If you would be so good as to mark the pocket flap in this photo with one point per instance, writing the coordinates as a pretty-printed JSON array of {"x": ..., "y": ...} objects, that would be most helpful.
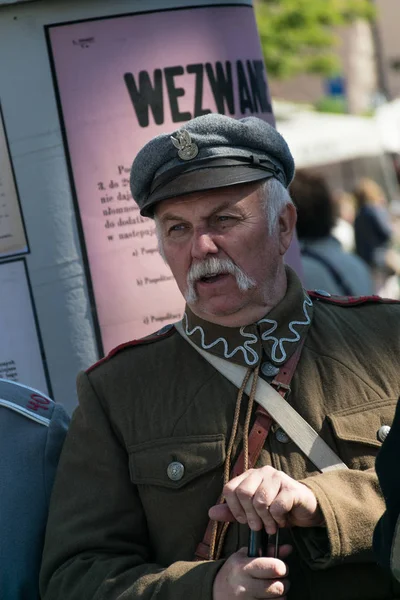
[
  {"x": 149, "y": 462},
  {"x": 362, "y": 423}
]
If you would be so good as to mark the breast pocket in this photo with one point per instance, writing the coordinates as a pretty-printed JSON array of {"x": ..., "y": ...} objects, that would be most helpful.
[
  {"x": 175, "y": 462},
  {"x": 178, "y": 480},
  {"x": 360, "y": 431}
]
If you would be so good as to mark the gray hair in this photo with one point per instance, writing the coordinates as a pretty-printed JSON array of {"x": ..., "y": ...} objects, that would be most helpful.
[
  {"x": 274, "y": 197},
  {"x": 160, "y": 238}
]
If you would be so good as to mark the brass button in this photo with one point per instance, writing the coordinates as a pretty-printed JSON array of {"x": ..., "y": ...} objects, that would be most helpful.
[
  {"x": 383, "y": 432},
  {"x": 269, "y": 370},
  {"x": 282, "y": 436},
  {"x": 175, "y": 471}
]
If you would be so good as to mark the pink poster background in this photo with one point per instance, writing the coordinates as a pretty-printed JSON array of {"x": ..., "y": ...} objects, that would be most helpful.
[{"x": 134, "y": 290}]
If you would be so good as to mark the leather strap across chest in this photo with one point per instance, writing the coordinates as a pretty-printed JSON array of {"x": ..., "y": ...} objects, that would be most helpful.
[
  {"x": 257, "y": 436},
  {"x": 263, "y": 421}
]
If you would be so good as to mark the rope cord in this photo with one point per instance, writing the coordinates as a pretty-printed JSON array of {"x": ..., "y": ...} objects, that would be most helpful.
[
  {"x": 227, "y": 466},
  {"x": 223, "y": 530},
  {"x": 248, "y": 417}
]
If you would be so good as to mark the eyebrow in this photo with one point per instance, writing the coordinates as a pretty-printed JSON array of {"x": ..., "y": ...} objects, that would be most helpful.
[
  {"x": 173, "y": 217},
  {"x": 170, "y": 217}
]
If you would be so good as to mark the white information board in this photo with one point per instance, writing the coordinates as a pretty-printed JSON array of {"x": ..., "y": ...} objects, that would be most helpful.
[
  {"x": 12, "y": 232},
  {"x": 21, "y": 354}
]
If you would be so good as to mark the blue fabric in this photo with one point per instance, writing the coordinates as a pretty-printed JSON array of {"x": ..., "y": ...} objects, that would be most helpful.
[
  {"x": 28, "y": 460},
  {"x": 372, "y": 231},
  {"x": 324, "y": 257}
]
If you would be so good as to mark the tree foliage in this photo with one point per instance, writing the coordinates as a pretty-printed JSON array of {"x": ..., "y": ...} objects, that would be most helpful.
[{"x": 300, "y": 36}]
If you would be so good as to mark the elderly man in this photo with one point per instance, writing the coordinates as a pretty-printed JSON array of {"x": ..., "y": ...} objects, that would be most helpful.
[{"x": 160, "y": 433}]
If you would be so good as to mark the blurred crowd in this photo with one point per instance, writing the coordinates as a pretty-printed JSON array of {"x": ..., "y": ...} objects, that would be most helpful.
[{"x": 349, "y": 239}]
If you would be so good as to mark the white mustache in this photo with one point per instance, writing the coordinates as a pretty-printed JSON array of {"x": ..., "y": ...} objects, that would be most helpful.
[
  {"x": 212, "y": 266},
  {"x": 215, "y": 266}
]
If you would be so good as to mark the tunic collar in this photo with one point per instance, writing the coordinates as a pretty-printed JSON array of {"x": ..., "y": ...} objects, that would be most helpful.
[{"x": 276, "y": 335}]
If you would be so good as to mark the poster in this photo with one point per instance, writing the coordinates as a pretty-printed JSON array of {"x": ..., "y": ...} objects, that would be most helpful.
[
  {"x": 119, "y": 82},
  {"x": 12, "y": 232},
  {"x": 21, "y": 352}
]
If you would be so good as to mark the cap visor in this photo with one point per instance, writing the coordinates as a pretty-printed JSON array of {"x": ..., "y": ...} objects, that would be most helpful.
[{"x": 203, "y": 179}]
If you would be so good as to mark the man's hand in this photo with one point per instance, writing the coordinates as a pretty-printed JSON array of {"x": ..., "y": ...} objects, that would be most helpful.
[
  {"x": 268, "y": 498},
  {"x": 250, "y": 578}
]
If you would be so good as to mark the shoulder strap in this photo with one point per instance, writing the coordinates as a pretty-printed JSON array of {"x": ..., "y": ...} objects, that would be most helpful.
[
  {"x": 297, "y": 428},
  {"x": 348, "y": 301},
  {"x": 162, "y": 333},
  {"x": 26, "y": 401},
  {"x": 329, "y": 267}
]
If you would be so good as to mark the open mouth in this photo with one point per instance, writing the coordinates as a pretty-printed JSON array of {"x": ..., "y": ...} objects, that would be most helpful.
[{"x": 212, "y": 278}]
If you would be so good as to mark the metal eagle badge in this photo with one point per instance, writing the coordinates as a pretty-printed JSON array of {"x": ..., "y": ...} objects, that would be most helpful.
[{"x": 187, "y": 149}]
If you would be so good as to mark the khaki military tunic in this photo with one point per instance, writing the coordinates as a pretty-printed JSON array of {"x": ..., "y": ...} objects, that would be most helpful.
[{"x": 125, "y": 525}]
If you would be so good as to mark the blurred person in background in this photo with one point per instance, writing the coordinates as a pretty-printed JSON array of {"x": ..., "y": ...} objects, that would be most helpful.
[
  {"x": 375, "y": 238},
  {"x": 32, "y": 433},
  {"x": 343, "y": 230},
  {"x": 325, "y": 263}
]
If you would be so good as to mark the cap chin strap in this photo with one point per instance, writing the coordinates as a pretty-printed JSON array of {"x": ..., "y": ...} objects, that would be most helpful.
[
  {"x": 216, "y": 161},
  {"x": 297, "y": 428}
]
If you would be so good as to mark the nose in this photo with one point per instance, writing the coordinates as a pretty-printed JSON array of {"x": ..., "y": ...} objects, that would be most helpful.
[{"x": 203, "y": 244}]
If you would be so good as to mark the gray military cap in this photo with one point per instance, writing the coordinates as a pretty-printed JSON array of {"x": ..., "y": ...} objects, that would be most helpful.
[{"x": 208, "y": 152}]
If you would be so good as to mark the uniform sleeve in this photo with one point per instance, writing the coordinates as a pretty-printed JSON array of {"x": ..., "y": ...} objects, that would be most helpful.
[
  {"x": 352, "y": 504},
  {"x": 97, "y": 544},
  {"x": 56, "y": 433}
]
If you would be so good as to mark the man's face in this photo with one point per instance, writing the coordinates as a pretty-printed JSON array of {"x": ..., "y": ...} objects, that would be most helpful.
[{"x": 220, "y": 251}]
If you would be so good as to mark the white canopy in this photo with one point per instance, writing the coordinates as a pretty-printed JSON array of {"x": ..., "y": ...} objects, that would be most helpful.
[
  {"x": 321, "y": 138},
  {"x": 388, "y": 119}
]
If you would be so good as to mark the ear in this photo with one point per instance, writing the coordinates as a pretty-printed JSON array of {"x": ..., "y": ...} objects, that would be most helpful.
[{"x": 286, "y": 224}]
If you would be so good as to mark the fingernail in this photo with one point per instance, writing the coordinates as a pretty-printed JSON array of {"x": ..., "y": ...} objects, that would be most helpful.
[
  {"x": 270, "y": 530},
  {"x": 241, "y": 520}
]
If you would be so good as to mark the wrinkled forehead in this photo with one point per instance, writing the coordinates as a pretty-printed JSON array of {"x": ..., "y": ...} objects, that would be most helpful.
[{"x": 209, "y": 201}]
